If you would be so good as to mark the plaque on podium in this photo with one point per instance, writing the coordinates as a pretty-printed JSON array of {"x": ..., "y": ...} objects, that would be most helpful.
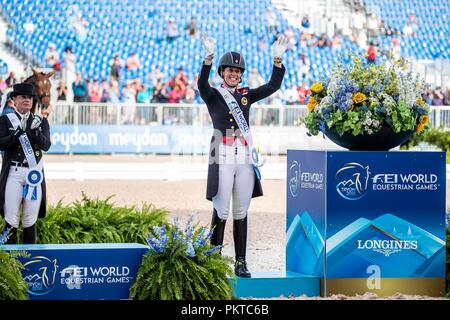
[{"x": 367, "y": 221}]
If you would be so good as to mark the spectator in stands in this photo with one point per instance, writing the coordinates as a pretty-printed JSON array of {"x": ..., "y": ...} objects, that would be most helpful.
[
  {"x": 408, "y": 30},
  {"x": 52, "y": 57},
  {"x": 105, "y": 91},
  {"x": 438, "y": 97},
  {"x": 413, "y": 22},
  {"x": 116, "y": 68},
  {"x": 175, "y": 94},
  {"x": 323, "y": 41},
  {"x": 291, "y": 95},
  {"x": 262, "y": 43},
  {"x": 69, "y": 71},
  {"x": 336, "y": 42},
  {"x": 9, "y": 105},
  {"x": 129, "y": 108},
  {"x": 371, "y": 53},
  {"x": 159, "y": 92},
  {"x": 255, "y": 80},
  {"x": 272, "y": 21},
  {"x": 373, "y": 26},
  {"x": 303, "y": 67},
  {"x": 290, "y": 35},
  {"x": 237, "y": 179},
  {"x": 181, "y": 80},
  {"x": 358, "y": 24},
  {"x": 114, "y": 92},
  {"x": 305, "y": 23},
  {"x": 133, "y": 61},
  {"x": 396, "y": 49},
  {"x": 61, "y": 91},
  {"x": 302, "y": 93},
  {"x": 192, "y": 28},
  {"x": 171, "y": 29},
  {"x": 3, "y": 85},
  {"x": 427, "y": 95},
  {"x": 79, "y": 88},
  {"x": 156, "y": 75},
  {"x": 94, "y": 91},
  {"x": 11, "y": 80},
  {"x": 447, "y": 94},
  {"x": 79, "y": 25},
  {"x": 190, "y": 95}
]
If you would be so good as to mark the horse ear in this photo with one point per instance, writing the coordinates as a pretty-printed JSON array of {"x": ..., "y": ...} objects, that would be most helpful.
[
  {"x": 51, "y": 73},
  {"x": 34, "y": 71}
]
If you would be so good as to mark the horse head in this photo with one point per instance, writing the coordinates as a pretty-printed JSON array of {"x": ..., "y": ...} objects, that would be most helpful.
[{"x": 42, "y": 85}]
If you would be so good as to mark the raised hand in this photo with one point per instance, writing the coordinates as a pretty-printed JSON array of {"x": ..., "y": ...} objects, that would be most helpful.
[
  {"x": 209, "y": 45},
  {"x": 279, "y": 47},
  {"x": 36, "y": 122}
]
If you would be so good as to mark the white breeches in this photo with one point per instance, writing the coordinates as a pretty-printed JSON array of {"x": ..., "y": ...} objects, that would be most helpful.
[
  {"x": 13, "y": 199},
  {"x": 236, "y": 181}
]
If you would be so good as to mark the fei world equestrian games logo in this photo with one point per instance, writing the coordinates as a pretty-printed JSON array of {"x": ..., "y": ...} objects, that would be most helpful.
[
  {"x": 40, "y": 275},
  {"x": 353, "y": 179},
  {"x": 299, "y": 179}
]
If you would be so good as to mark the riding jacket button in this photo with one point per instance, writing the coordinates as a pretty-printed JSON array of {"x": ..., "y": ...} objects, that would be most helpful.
[{"x": 231, "y": 120}]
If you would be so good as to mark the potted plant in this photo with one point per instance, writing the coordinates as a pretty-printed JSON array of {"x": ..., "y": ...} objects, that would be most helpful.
[
  {"x": 12, "y": 285},
  {"x": 365, "y": 106},
  {"x": 182, "y": 265}
]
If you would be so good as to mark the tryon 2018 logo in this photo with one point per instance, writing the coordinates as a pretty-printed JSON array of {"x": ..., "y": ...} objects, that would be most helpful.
[
  {"x": 40, "y": 274},
  {"x": 352, "y": 181}
]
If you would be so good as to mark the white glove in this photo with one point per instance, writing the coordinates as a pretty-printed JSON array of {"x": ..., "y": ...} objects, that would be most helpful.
[
  {"x": 280, "y": 47},
  {"x": 209, "y": 44},
  {"x": 36, "y": 122},
  {"x": 23, "y": 123}
]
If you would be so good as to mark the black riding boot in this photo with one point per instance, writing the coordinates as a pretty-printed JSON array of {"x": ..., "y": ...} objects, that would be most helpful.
[
  {"x": 240, "y": 248},
  {"x": 12, "y": 233},
  {"x": 218, "y": 231},
  {"x": 29, "y": 235}
]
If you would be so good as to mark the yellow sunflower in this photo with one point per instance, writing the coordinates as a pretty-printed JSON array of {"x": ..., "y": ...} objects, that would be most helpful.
[
  {"x": 358, "y": 97},
  {"x": 420, "y": 127},
  {"x": 312, "y": 103},
  {"x": 317, "y": 87},
  {"x": 424, "y": 119}
]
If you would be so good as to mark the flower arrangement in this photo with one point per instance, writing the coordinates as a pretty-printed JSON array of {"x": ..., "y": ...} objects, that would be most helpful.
[
  {"x": 182, "y": 265},
  {"x": 361, "y": 98},
  {"x": 12, "y": 285}
]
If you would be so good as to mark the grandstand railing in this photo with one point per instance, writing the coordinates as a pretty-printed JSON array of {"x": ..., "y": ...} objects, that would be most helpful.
[{"x": 189, "y": 114}]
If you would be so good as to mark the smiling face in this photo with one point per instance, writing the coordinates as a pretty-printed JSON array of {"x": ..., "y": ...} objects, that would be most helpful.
[{"x": 231, "y": 76}]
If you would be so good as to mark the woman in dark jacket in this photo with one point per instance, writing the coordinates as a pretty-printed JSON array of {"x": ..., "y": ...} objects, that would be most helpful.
[
  {"x": 233, "y": 165},
  {"x": 23, "y": 137}
]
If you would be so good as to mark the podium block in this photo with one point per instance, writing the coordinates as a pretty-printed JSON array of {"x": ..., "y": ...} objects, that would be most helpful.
[
  {"x": 367, "y": 221},
  {"x": 103, "y": 271}
]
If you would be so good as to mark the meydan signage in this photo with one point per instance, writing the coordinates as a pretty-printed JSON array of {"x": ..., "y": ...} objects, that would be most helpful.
[
  {"x": 379, "y": 215},
  {"x": 80, "y": 271}
]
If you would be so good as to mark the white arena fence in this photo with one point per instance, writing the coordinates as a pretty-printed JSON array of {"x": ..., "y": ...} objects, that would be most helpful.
[{"x": 189, "y": 114}]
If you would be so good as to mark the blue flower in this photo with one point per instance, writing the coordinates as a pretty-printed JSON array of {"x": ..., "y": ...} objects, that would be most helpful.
[
  {"x": 190, "y": 249},
  {"x": 322, "y": 126},
  {"x": 4, "y": 236},
  {"x": 210, "y": 251}
]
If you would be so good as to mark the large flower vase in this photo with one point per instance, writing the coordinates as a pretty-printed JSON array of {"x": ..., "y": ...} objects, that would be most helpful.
[{"x": 383, "y": 140}]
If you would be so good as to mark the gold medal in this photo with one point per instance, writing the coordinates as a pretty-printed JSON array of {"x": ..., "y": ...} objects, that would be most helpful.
[{"x": 244, "y": 101}]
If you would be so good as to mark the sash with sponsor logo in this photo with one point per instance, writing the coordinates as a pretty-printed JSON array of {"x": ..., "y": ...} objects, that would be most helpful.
[
  {"x": 34, "y": 175},
  {"x": 238, "y": 116}
]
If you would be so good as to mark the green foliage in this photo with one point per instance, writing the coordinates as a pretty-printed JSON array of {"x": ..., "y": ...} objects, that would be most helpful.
[
  {"x": 12, "y": 285},
  {"x": 98, "y": 221},
  {"x": 435, "y": 136},
  {"x": 182, "y": 266}
]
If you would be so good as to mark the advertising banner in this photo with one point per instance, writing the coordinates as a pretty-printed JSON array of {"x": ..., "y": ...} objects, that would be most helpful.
[
  {"x": 80, "y": 271},
  {"x": 384, "y": 216}
]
